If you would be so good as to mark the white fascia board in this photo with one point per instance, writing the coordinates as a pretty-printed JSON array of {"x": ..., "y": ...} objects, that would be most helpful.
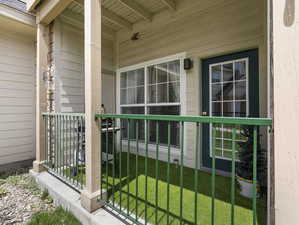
[{"x": 16, "y": 15}]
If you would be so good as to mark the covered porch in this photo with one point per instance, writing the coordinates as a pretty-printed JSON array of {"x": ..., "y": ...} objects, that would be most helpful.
[{"x": 145, "y": 104}]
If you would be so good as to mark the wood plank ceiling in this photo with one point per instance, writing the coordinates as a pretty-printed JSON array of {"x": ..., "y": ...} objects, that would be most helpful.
[{"x": 122, "y": 14}]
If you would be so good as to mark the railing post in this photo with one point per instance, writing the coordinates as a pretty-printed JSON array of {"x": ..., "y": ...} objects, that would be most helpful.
[
  {"x": 41, "y": 67},
  {"x": 92, "y": 50}
]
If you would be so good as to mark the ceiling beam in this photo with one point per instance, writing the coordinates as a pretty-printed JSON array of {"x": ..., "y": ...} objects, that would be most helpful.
[
  {"x": 111, "y": 16},
  {"x": 116, "y": 19},
  {"x": 138, "y": 9},
  {"x": 50, "y": 10},
  {"x": 170, "y": 4}
]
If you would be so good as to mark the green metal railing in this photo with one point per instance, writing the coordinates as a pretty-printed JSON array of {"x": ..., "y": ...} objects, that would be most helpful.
[
  {"x": 65, "y": 147},
  {"x": 145, "y": 186}
]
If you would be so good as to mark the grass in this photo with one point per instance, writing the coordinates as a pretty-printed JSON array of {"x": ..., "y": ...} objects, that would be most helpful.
[
  {"x": 124, "y": 194},
  {"x": 58, "y": 217}
]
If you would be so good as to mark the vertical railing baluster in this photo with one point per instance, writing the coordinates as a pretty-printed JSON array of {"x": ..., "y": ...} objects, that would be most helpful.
[
  {"x": 113, "y": 161},
  {"x": 60, "y": 145},
  {"x": 73, "y": 151},
  {"x": 137, "y": 154},
  {"x": 254, "y": 173},
  {"x": 120, "y": 163},
  {"x": 76, "y": 150},
  {"x": 196, "y": 172},
  {"x": 146, "y": 170},
  {"x": 213, "y": 173},
  {"x": 128, "y": 169},
  {"x": 56, "y": 144},
  {"x": 107, "y": 158},
  {"x": 168, "y": 168},
  {"x": 82, "y": 145},
  {"x": 157, "y": 172},
  {"x": 70, "y": 147},
  {"x": 233, "y": 178},
  {"x": 65, "y": 147},
  {"x": 46, "y": 139},
  {"x": 181, "y": 171}
]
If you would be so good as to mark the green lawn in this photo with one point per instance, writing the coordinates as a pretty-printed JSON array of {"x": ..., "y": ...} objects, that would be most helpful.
[
  {"x": 57, "y": 217},
  {"x": 129, "y": 199}
]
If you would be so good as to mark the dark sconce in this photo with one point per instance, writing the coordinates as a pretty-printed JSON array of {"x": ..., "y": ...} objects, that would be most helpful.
[
  {"x": 188, "y": 64},
  {"x": 135, "y": 36}
]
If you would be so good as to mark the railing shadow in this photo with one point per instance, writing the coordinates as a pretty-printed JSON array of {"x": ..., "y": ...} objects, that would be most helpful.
[{"x": 204, "y": 187}]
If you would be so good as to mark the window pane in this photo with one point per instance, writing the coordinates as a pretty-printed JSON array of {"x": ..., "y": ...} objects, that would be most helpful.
[
  {"x": 124, "y": 122},
  {"x": 228, "y": 91},
  {"x": 131, "y": 79},
  {"x": 162, "y": 73},
  {"x": 217, "y": 109},
  {"x": 152, "y": 76},
  {"x": 166, "y": 78},
  {"x": 174, "y": 92},
  {"x": 228, "y": 109},
  {"x": 216, "y": 74},
  {"x": 240, "y": 90},
  {"x": 240, "y": 70},
  {"x": 163, "y": 125},
  {"x": 139, "y": 74},
  {"x": 131, "y": 96},
  {"x": 123, "y": 80},
  {"x": 132, "y": 87},
  {"x": 174, "y": 71},
  {"x": 228, "y": 72},
  {"x": 123, "y": 96},
  {"x": 140, "y": 95},
  {"x": 240, "y": 109},
  {"x": 152, "y": 94},
  {"x": 216, "y": 92},
  {"x": 162, "y": 93}
]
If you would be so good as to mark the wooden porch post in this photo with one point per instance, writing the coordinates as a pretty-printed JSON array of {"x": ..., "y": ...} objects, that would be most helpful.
[
  {"x": 92, "y": 45},
  {"x": 41, "y": 66},
  {"x": 286, "y": 110}
]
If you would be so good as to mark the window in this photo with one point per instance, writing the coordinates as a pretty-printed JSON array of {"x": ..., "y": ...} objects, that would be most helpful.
[
  {"x": 152, "y": 89},
  {"x": 229, "y": 98}
]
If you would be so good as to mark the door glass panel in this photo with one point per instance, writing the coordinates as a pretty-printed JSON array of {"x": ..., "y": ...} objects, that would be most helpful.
[
  {"x": 228, "y": 72},
  {"x": 240, "y": 90},
  {"x": 228, "y": 91},
  {"x": 240, "y": 70},
  {"x": 216, "y": 92},
  {"x": 228, "y": 88},
  {"x": 216, "y": 74},
  {"x": 217, "y": 109},
  {"x": 228, "y": 109}
]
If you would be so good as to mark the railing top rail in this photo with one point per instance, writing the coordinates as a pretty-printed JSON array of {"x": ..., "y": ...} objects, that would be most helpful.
[
  {"x": 64, "y": 114},
  {"x": 196, "y": 119}
]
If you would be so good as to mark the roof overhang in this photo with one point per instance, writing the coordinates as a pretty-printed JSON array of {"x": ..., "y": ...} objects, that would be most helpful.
[
  {"x": 17, "y": 15},
  {"x": 31, "y": 4}
]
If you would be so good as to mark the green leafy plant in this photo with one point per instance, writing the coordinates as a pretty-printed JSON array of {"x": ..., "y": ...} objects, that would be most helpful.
[{"x": 245, "y": 165}]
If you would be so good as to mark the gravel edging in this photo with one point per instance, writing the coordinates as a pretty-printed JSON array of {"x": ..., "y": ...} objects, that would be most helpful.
[{"x": 20, "y": 198}]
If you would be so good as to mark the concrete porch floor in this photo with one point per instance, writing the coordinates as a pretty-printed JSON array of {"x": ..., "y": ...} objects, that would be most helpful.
[{"x": 69, "y": 199}]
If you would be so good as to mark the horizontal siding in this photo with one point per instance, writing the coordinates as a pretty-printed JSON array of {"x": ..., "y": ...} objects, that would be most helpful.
[
  {"x": 69, "y": 64},
  {"x": 17, "y": 98}
]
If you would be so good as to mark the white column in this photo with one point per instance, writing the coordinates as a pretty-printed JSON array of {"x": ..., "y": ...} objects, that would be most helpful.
[
  {"x": 286, "y": 110},
  {"x": 92, "y": 44},
  {"x": 41, "y": 101}
]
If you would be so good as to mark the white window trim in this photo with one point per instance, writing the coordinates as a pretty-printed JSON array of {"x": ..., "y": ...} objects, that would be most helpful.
[
  {"x": 183, "y": 90},
  {"x": 210, "y": 97}
]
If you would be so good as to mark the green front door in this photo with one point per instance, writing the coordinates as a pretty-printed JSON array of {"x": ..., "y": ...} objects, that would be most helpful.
[{"x": 230, "y": 88}]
